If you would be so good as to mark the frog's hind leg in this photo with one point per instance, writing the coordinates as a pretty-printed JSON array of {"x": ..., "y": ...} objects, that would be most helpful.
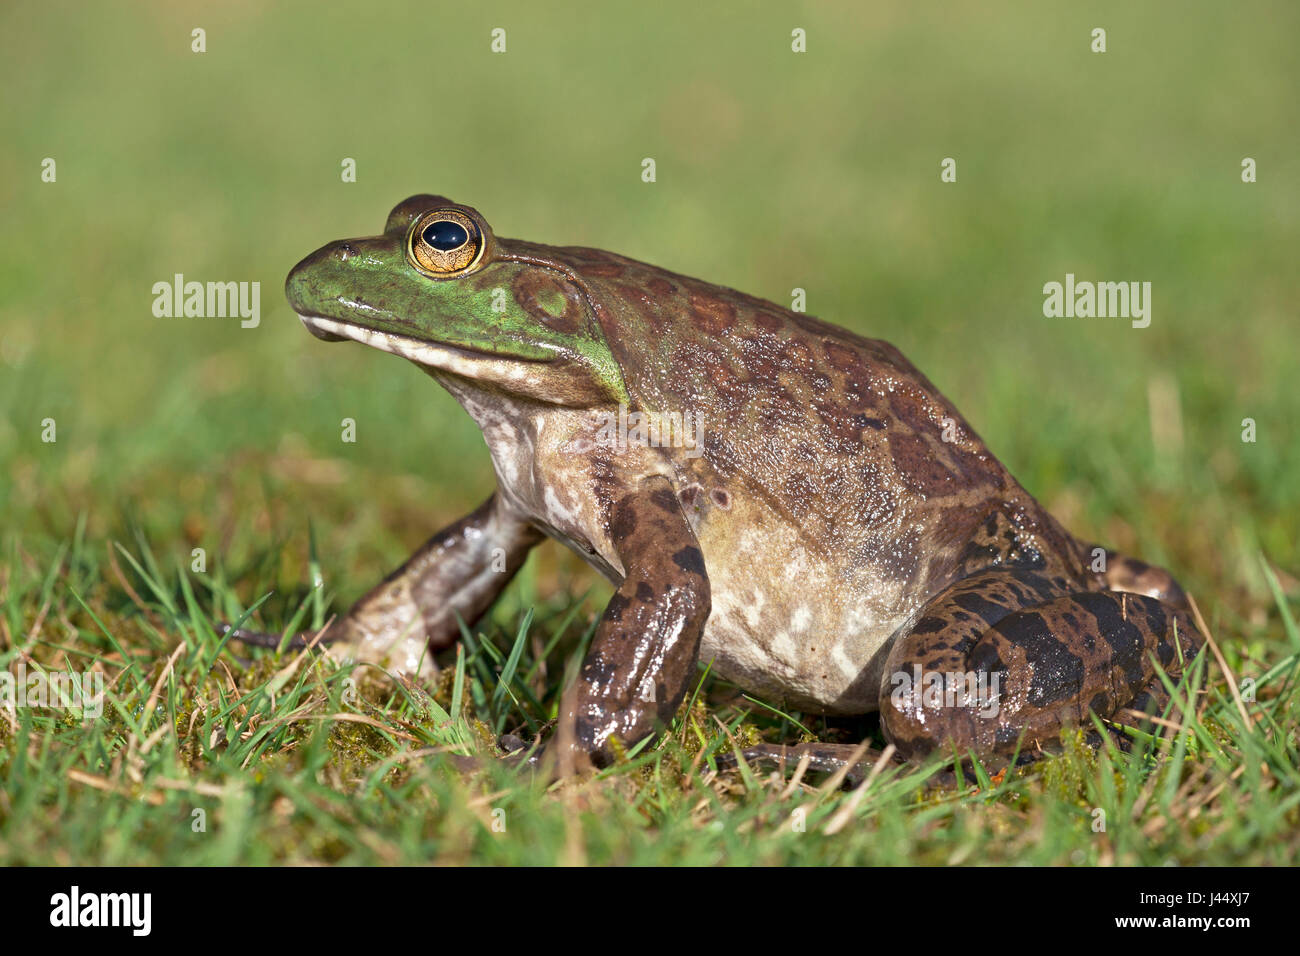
[
  {"x": 1007, "y": 657},
  {"x": 454, "y": 576}
]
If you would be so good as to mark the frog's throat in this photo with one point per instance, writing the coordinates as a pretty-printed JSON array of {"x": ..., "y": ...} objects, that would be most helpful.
[{"x": 447, "y": 358}]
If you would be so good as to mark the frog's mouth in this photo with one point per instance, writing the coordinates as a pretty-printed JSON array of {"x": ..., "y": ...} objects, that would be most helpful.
[
  {"x": 313, "y": 326},
  {"x": 449, "y": 358}
]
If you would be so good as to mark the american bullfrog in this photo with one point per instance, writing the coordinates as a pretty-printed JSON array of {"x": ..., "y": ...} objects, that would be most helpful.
[{"x": 768, "y": 492}]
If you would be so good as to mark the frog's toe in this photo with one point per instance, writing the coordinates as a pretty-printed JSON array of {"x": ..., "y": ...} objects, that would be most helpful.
[
  {"x": 854, "y": 761},
  {"x": 545, "y": 757},
  {"x": 521, "y": 755},
  {"x": 264, "y": 639},
  {"x": 511, "y": 743},
  {"x": 343, "y": 640}
]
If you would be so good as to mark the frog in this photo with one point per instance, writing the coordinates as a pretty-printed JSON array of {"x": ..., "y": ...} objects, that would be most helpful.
[{"x": 788, "y": 502}]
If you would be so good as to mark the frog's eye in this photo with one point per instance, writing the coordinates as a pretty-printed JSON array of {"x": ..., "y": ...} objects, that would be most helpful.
[{"x": 445, "y": 242}]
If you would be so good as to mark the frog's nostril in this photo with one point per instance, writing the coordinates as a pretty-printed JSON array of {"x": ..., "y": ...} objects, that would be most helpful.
[{"x": 345, "y": 251}]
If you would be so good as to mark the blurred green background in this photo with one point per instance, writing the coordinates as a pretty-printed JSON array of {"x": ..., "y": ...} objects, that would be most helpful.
[{"x": 775, "y": 170}]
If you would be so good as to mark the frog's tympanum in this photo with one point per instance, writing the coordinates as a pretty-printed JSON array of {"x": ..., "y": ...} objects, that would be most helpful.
[{"x": 767, "y": 492}]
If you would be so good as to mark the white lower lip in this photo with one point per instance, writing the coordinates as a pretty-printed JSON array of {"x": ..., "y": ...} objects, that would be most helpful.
[
  {"x": 447, "y": 358},
  {"x": 384, "y": 341}
]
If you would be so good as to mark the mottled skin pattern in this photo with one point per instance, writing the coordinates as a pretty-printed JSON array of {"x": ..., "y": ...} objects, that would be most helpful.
[{"x": 842, "y": 524}]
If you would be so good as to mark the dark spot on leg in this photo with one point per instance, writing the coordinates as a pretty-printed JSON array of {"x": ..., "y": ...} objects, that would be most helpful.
[
  {"x": 597, "y": 670},
  {"x": 1124, "y": 638},
  {"x": 1156, "y": 620},
  {"x": 988, "y": 611},
  {"x": 665, "y": 499},
  {"x": 1006, "y": 735},
  {"x": 1142, "y": 703},
  {"x": 616, "y": 606},
  {"x": 623, "y": 522},
  {"x": 1165, "y": 653},
  {"x": 690, "y": 559},
  {"x": 1058, "y": 673},
  {"x": 986, "y": 659},
  {"x": 644, "y": 592}
]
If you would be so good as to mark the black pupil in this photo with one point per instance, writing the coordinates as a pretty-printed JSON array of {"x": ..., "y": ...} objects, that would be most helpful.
[{"x": 445, "y": 235}]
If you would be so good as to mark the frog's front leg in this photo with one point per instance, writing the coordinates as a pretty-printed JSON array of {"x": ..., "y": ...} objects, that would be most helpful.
[
  {"x": 456, "y": 574},
  {"x": 645, "y": 649},
  {"x": 1006, "y": 655}
]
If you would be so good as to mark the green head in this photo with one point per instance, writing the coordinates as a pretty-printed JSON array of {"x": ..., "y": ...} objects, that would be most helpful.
[{"x": 440, "y": 289}]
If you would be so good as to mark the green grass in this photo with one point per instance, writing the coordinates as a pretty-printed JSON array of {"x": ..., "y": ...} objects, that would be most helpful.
[
  {"x": 202, "y": 759},
  {"x": 818, "y": 171}
]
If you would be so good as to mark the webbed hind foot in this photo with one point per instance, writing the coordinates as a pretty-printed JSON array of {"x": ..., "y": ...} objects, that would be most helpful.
[{"x": 852, "y": 759}]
